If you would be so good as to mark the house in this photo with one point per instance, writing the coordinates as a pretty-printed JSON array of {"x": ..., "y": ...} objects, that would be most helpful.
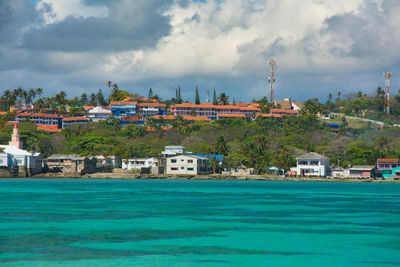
[
  {"x": 387, "y": 164},
  {"x": 395, "y": 174},
  {"x": 17, "y": 160},
  {"x": 338, "y": 172},
  {"x": 150, "y": 109},
  {"x": 135, "y": 120},
  {"x": 211, "y": 111},
  {"x": 107, "y": 163},
  {"x": 52, "y": 121},
  {"x": 288, "y": 104},
  {"x": 120, "y": 109},
  {"x": 187, "y": 164},
  {"x": 358, "y": 171},
  {"x": 312, "y": 164},
  {"x": 99, "y": 113},
  {"x": 139, "y": 163},
  {"x": 74, "y": 164},
  {"x": 283, "y": 112},
  {"x": 171, "y": 151},
  {"x": 74, "y": 121}
]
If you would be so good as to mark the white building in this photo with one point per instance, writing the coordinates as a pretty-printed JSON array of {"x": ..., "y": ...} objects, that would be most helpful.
[
  {"x": 98, "y": 113},
  {"x": 16, "y": 159},
  {"x": 137, "y": 164},
  {"x": 187, "y": 164},
  {"x": 312, "y": 164},
  {"x": 170, "y": 151}
]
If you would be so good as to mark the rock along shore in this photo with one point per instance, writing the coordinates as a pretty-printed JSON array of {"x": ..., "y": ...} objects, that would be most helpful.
[{"x": 202, "y": 177}]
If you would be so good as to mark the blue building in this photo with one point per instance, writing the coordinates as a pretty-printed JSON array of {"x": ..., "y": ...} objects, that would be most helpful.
[{"x": 120, "y": 109}]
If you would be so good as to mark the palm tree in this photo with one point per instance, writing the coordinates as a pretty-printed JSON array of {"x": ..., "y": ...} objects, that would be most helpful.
[
  {"x": 223, "y": 99},
  {"x": 221, "y": 147}
]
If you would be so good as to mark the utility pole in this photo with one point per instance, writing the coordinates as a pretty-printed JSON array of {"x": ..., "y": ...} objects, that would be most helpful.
[
  {"x": 271, "y": 79},
  {"x": 387, "y": 95}
]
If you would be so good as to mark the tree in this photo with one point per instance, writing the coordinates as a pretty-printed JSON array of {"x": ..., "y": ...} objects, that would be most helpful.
[
  {"x": 223, "y": 99},
  {"x": 100, "y": 98},
  {"x": 233, "y": 101},
  {"x": 150, "y": 95},
  {"x": 197, "y": 100},
  {"x": 84, "y": 99},
  {"x": 221, "y": 147},
  {"x": 109, "y": 84},
  {"x": 93, "y": 100},
  {"x": 215, "y": 99}
]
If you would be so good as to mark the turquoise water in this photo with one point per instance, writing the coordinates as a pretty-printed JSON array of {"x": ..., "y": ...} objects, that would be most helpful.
[{"x": 71, "y": 222}]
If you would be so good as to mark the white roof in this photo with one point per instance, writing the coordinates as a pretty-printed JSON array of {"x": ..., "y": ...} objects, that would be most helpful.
[
  {"x": 13, "y": 150},
  {"x": 100, "y": 110}
]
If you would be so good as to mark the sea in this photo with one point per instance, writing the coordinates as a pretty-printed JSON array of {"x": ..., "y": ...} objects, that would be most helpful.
[{"x": 120, "y": 222}]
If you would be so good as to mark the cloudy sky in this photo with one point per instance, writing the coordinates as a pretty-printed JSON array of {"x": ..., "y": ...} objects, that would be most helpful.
[{"x": 320, "y": 46}]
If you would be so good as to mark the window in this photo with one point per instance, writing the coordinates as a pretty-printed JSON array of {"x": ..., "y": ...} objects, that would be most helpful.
[
  {"x": 19, "y": 161},
  {"x": 190, "y": 161},
  {"x": 190, "y": 169},
  {"x": 174, "y": 168},
  {"x": 173, "y": 160},
  {"x": 1, "y": 161}
]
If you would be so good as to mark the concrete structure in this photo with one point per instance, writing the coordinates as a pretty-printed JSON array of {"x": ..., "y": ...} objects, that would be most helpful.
[
  {"x": 99, "y": 113},
  {"x": 107, "y": 163},
  {"x": 71, "y": 164},
  {"x": 312, "y": 164},
  {"x": 387, "y": 164},
  {"x": 187, "y": 164},
  {"x": 171, "y": 151},
  {"x": 121, "y": 109},
  {"x": 358, "y": 171},
  {"x": 74, "y": 121},
  {"x": 139, "y": 163}
]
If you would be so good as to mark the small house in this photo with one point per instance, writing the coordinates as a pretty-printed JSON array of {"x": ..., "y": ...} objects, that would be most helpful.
[
  {"x": 187, "y": 164},
  {"x": 312, "y": 164}
]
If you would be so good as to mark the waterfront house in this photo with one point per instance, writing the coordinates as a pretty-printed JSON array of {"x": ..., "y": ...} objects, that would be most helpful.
[
  {"x": 74, "y": 164},
  {"x": 139, "y": 163},
  {"x": 361, "y": 171},
  {"x": 387, "y": 164},
  {"x": 312, "y": 164},
  {"x": 171, "y": 151},
  {"x": 107, "y": 163},
  {"x": 187, "y": 164},
  {"x": 99, "y": 113}
]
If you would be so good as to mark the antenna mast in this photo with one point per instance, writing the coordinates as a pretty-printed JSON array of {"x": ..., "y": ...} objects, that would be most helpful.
[
  {"x": 208, "y": 96},
  {"x": 271, "y": 79},
  {"x": 387, "y": 95}
]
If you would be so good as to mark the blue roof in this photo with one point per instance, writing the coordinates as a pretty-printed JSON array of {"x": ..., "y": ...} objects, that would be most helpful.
[
  {"x": 217, "y": 157},
  {"x": 334, "y": 124}
]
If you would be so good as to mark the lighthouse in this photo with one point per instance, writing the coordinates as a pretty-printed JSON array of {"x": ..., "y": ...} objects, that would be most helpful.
[{"x": 15, "y": 141}]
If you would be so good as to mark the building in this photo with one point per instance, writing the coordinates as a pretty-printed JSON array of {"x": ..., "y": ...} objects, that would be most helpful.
[
  {"x": 74, "y": 121},
  {"x": 151, "y": 109},
  {"x": 288, "y": 104},
  {"x": 73, "y": 164},
  {"x": 107, "y": 163},
  {"x": 212, "y": 111},
  {"x": 171, "y": 151},
  {"x": 135, "y": 120},
  {"x": 120, "y": 109},
  {"x": 137, "y": 164},
  {"x": 98, "y": 113},
  {"x": 358, "y": 171},
  {"x": 394, "y": 174},
  {"x": 387, "y": 164},
  {"x": 312, "y": 164},
  {"x": 17, "y": 160},
  {"x": 283, "y": 112},
  {"x": 187, "y": 164},
  {"x": 41, "y": 120}
]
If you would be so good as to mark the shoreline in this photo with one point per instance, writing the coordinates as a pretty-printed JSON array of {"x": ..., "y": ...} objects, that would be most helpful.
[{"x": 201, "y": 177}]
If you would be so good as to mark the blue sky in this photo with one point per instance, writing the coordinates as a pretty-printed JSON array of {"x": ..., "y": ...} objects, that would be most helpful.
[{"x": 320, "y": 46}]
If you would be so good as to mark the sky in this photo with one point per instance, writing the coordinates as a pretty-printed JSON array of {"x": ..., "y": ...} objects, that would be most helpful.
[{"x": 320, "y": 46}]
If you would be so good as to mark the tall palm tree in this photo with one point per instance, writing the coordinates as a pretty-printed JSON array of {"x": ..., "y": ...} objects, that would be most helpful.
[
  {"x": 221, "y": 147},
  {"x": 223, "y": 99}
]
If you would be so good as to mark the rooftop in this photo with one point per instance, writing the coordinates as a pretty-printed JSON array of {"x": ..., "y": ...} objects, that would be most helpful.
[{"x": 312, "y": 155}]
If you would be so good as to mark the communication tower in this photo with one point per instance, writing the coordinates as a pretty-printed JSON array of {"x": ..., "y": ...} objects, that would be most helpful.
[
  {"x": 271, "y": 79},
  {"x": 387, "y": 95},
  {"x": 207, "y": 96}
]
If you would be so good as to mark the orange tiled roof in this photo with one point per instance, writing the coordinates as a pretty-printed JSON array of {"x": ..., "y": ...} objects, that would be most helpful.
[
  {"x": 269, "y": 115},
  {"x": 394, "y": 160},
  {"x": 283, "y": 110},
  {"x": 47, "y": 126},
  {"x": 36, "y": 115},
  {"x": 131, "y": 118},
  {"x": 165, "y": 117},
  {"x": 151, "y": 105},
  {"x": 231, "y": 116},
  {"x": 2, "y": 113},
  {"x": 164, "y": 128},
  {"x": 80, "y": 118},
  {"x": 88, "y": 107},
  {"x": 194, "y": 118}
]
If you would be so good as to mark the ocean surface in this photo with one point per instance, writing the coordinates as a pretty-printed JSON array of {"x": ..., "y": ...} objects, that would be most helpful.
[{"x": 76, "y": 222}]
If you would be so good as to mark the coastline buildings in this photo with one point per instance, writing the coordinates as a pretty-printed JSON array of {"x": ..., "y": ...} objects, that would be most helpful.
[
  {"x": 312, "y": 164},
  {"x": 139, "y": 163},
  {"x": 188, "y": 164},
  {"x": 73, "y": 164}
]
